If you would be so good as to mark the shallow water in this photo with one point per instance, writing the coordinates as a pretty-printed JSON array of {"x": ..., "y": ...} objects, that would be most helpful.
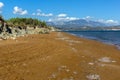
[{"x": 109, "y": 37}]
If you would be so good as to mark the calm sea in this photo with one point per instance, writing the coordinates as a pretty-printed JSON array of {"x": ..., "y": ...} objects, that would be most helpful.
[{"x": 109, "y": 37}]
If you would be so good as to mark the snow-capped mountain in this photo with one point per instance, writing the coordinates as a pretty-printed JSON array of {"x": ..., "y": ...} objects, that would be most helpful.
[{"x": 76, "y": 23}]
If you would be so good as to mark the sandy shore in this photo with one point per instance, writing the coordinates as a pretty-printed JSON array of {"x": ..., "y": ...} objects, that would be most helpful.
[{"x": 58, "y": 56}]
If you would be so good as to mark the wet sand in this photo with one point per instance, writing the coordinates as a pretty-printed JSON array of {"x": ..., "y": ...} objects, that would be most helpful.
[{"x": 58, "y": 56}]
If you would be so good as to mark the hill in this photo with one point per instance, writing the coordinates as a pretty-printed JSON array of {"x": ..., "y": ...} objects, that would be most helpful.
[{"x": 81, "y": 24}]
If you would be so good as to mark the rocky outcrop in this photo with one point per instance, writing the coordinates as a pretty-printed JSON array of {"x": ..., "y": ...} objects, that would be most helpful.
[{"x": 13, "y": 33}]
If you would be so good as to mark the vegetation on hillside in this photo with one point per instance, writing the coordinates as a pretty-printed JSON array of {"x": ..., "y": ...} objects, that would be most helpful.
[{"x": 26, "y": 22}]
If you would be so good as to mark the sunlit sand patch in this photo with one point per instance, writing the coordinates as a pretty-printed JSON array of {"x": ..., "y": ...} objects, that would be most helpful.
[
  {"x": 67, "y": 39},
  {"x": 53, "y": 76},
  {"x": 106, "y": 60},
  {"x": 67, "y": 70},
  {"x": 62, "y": 38},
  {"x": 101, "y": 64},
  {"x": 91, "y": 63},
  {"x": 71, "y": 44},
  {"x": 59, "y": 34},
  {"x": 63, "y": 70},
  {"x": 0, "y": 39},
  {"x": 86, "y": 51},
  {"x": 16, "y": 40},
  {"x": 113, "y": 66},
  {"x": 109, "y": 65},
  {"x": 45, "y": 58},
  {"x": 75, "y": 72},
  {"x": 68, "y": 79},
  {"x": 75, "y": 50},
  {"x": 24, "y": 64},
  {"x": 83, "y": 56},
  {"x": 93, "y": 77},
  {"x": 73, "y": 41}
]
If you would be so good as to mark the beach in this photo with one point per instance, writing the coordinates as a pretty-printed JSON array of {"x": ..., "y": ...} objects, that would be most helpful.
[{"x": 58, "y": 56}]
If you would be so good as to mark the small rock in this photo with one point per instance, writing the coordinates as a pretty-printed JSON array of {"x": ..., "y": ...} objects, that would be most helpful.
[{"x": 53, "y": 75}]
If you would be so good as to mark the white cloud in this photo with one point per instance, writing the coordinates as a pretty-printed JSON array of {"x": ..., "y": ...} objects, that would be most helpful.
[
  {"x": 50, "y": 20},
  {"x": 62, "y": 15},
  {"x": 71, "y": 18},
  {"x": 40, "y": 13},
  {"x": 63, "y": 19},
  {"x": 111, "y": 22},
  {"x": 19, "y": 11},
  {"x": 88, "y": 18},
  {"x": 1, "y": 5},
  {"x": 45, "y": 15}
]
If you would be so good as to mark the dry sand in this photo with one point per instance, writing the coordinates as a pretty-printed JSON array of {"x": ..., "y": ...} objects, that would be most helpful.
[{"x": 58, "y": 56}]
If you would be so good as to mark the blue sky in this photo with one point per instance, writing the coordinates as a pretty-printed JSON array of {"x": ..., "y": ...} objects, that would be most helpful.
[{"x": 56, "y": 10}]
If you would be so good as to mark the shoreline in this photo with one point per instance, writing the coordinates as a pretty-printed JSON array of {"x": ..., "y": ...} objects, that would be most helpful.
[
  {"x": 58, "y": 56},
  {"x": 98, "y": 40}
]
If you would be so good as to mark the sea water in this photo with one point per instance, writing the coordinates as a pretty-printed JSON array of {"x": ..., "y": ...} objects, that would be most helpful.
[{"x": 109, "y": 37}]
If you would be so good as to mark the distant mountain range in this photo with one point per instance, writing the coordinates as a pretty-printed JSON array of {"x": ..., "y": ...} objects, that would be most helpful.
[{"x": 80, "y": 24}]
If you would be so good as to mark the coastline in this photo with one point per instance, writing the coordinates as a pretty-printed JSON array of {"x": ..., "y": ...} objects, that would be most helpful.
[
  {"x": 58, "y": 56},
  {"x": 112, "y": 42}
]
